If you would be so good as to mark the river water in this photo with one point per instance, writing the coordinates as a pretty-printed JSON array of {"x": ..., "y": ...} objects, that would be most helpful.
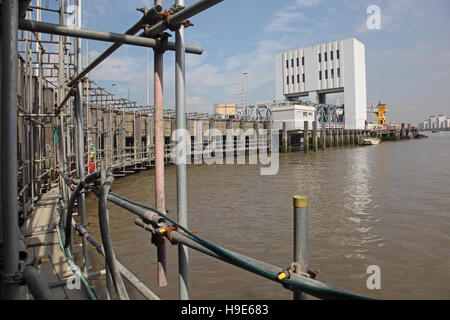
[{"x": 385, "y": 205}]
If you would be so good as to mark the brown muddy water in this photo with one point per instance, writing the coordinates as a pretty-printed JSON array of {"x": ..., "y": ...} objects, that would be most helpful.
[{"x": 385, "y": 205}]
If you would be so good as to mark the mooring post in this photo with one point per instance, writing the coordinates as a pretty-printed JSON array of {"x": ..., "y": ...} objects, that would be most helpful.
[
  {"x": 314, "y": 136},
  {"x": 306, "y": 137},
  {"x": 301, "y": 255}
]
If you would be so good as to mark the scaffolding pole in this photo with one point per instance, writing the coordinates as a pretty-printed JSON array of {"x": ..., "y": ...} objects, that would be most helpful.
[
  {"x": 159, "y": 152},
  {"x": 183, "y": 258},
  {"x": 10, "y": 17}
]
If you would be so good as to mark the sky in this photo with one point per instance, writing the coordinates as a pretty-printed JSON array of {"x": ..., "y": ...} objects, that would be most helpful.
[{"x": 407, "y": 60}]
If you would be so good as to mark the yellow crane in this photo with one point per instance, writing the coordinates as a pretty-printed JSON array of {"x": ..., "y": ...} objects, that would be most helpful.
[{"x": 381, "y": 113}]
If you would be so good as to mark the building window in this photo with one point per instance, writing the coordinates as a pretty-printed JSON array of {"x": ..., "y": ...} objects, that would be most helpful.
[
  {"x": 292, "y": 63},
  {"x": 337, "y": 54},
  {"x": 332, "y": 73},
  {"x": 287, "y": 63},
  {"x": 298, "y": 78},
  {"x": 298, "y": 62},
  {"x": 320, "y": 57},
  {"x": 331, "y": 55},
  {"x": 293, "y": 79},
  {"x": 287, "y": 78},
  {"x": 303, "y": 77},
  {"x": 326, "y": 74},
  {"x": 320, "y": 75},
  {"x": 325, "y": 56},
  {"x": 339, "y": 72},
  {"x": 303, "y": 61}
]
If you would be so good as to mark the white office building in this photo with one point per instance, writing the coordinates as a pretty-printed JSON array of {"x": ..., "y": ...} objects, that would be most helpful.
[
  {"x": 436, "y": 122},
  {"x": 432, "y": 122},
  {"x": 314, "y": 72},
  {"x": 441, "y": 121}
]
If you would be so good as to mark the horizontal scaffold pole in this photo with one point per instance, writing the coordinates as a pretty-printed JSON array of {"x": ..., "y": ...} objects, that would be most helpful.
[
  {"x": 181, "y": 16},
  {"x": 43, "y": 27}
]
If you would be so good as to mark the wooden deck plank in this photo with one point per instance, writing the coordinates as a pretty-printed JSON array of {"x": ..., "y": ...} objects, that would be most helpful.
[{"x": 46, "y": 245}]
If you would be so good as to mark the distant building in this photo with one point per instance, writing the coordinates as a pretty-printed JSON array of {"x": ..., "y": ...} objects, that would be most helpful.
[
  {"x": 435, "y": 123},
  {"x": 293, "y": 115},
  {"x": 432, "y": 122},
  {"x": 441, "y": 121},
  {"x": 226, "y": 109},
  {"x": 333, "y": 67}
]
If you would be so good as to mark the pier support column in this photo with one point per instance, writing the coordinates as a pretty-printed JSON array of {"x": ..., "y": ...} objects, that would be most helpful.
[
  {"x": 268, "y": 127},
  {"x": 314, "y": 136},
  {"x": 334, "y": 138},
  {"x": 285, "y": 138},
  {"x": 323, "y": 137},
  {"x": 329, "y": 137},
  {"x": 229, "y": 143},
  {"x": 306, "y": 136}
]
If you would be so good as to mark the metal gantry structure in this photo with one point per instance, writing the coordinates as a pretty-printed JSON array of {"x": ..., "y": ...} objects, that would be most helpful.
[{"x": 49, "y": 118}]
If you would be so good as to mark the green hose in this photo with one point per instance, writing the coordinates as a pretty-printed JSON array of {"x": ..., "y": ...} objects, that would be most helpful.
[
  {"x": 72, "y": 265},
  {"x": 313, "y": 290}
]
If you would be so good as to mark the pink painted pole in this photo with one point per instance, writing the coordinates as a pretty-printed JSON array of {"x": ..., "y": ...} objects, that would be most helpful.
[{"x": 159, "y": 155}]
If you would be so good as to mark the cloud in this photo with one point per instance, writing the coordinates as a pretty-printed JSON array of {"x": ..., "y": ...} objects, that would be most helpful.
[
  {"x": 305, "y": 3},
  {"x": 198, "y": 104},
  {"x": 284, "y": 20}
]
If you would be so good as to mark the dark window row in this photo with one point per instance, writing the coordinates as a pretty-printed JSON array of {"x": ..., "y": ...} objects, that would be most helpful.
[
  {"x": 338, "y": 55},
  {"x": 331, "y": 74},
  {"x": 293, "y": 79},
  {"x": 297, "y": 62}
]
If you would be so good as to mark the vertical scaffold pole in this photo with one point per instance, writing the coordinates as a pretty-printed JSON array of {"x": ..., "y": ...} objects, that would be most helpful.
[
  {"x": 80, "y": 135},
  {"x": 301, "y": 239},
  {"x": 183, "y": 260},
  {"x": 159, "y": 152},
  {"x": 8, "y": 155}
]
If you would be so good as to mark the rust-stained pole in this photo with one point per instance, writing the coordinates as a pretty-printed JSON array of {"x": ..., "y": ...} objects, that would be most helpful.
[{"x": 159, "y": 153}]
